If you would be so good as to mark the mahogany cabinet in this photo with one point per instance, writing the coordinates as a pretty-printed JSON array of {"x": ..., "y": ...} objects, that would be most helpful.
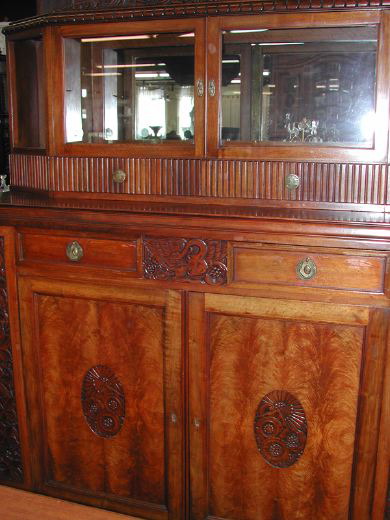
[{"x": 197, "y": 259}]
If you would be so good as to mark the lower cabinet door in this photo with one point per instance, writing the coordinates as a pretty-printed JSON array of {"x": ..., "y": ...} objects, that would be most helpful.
[
  {"x": 285, "y": 400},
  {"x": 103, "y": 370}
]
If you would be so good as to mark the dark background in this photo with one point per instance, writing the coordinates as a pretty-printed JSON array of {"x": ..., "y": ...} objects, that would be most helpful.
[{"x": 15, "y": 10}]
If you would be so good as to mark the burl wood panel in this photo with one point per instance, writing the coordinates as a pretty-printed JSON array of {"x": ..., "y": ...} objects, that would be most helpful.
[
  {"x": 237, "y": 179},
  {"x": 364, "y": 273},
  {"x": 74, "y": 335},
  {"x": 320, "y": 365}
]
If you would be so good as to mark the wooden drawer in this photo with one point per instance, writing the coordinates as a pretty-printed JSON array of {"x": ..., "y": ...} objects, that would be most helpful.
[
  {"x": 94, "y": 252},
  {"x": 313, "y": 268}
]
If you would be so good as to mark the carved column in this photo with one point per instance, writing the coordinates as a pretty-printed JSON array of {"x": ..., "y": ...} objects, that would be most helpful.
[{"x": 11, "y": 469}]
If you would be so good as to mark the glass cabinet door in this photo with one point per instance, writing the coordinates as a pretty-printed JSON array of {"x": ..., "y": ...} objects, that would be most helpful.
[
  {"x": 135, "y": 88},
  {"x": 299, "y": 91},
  {"x": 27, "y": 93}
]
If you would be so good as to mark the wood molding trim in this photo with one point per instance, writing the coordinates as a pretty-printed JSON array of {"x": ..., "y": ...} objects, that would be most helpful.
[
  {"x": 127, "y": 10},
  {"x": 366, "y": 184}
]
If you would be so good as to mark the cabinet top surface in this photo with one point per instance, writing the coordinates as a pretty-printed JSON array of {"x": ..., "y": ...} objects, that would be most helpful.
[{"x": 187, "y": 211}]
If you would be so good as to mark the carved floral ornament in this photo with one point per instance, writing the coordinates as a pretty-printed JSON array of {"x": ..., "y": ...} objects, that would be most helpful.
[
  {"x": 280, "y": 428},
  {"x": 181, "y": 259},
  {"x": 103, "y": 401}
]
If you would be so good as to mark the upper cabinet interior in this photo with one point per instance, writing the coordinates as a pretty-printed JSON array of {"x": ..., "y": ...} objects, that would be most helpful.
[
  {"x": 292, "y": 86},
  {"x": 132, "y": 87},
  {"x": 298, "y": 86}
]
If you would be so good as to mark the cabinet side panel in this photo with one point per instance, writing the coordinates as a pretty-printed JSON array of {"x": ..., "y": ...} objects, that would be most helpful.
[{"x": 11, "y": 467}]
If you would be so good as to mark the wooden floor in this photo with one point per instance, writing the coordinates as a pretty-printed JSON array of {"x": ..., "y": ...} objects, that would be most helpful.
[{"x": 21, "y": 505}]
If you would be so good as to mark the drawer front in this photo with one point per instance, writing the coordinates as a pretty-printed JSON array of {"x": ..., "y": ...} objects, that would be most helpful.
[
  {"x": 73, "y": 249},
  {"x": 306, "y": 268}
]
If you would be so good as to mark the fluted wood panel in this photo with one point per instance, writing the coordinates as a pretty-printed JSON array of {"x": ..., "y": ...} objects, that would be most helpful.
[{"x": 257, "y": 180}]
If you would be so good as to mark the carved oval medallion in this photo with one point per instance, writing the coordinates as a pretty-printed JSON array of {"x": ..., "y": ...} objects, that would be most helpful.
[
  {"x": 103, "y": 401},
  {"x": 280, "y": 428}
]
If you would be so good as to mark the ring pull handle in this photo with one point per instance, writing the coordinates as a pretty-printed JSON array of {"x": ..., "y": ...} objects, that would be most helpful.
[
  {"x": 74, "y": 251},
  {"x": 306, "y": 269}
]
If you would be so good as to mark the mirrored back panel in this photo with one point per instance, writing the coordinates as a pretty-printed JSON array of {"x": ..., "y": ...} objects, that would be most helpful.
[
  {"x": 137, "y": 87},
  {"x": 300, "y": 86}
]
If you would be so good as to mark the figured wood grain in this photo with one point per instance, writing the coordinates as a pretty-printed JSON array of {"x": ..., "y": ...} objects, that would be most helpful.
[
  {"x": 249, "y": 357},
  {"x": 75, "y": 335},
  {"x": 320, "y": 183},
  {"x": 75, "y": 328}
]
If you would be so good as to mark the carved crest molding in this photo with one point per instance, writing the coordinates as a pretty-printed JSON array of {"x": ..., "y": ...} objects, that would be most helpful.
[
  {"x": 181, "y": 259},
  {"x": 89, "y": 11}
]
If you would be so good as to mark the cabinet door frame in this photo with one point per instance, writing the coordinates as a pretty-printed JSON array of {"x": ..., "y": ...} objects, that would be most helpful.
[
  {"x": 369, "y": 470},
  {"x": 272, "y": 151},
  {"x": 56, "y": 85},
  {"x": 171, "y": 301}
]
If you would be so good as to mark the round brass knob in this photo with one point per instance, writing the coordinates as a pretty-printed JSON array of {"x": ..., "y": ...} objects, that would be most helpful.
[
  {"x": 74, "y": 251},
  {"x": 119, "y": 176},
  {"x": 292, "y": 181},
  {"x": 306, "y": 269}
]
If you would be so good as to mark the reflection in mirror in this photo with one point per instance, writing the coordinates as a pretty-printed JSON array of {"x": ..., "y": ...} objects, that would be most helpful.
[
  {"x": 300, "y": 86},
  {"x": 130, "y": 88}
]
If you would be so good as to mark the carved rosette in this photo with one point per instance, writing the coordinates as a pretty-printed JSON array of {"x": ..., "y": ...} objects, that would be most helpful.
[
  {"x": 11, "y": 468},
  {"x": 103, "y": 401},
  {"x": 280, "y": 429},
  {"x": 181, "y": 259}
]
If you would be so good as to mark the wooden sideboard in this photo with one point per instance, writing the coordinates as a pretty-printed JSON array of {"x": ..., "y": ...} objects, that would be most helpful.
[{"x": 195, "y": 319}]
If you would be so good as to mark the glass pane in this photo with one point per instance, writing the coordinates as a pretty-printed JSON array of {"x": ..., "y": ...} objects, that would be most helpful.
[
  {"x": 30, "y": 106},
  {"x": 300, "y": 86},
  {"x": 130, "y": 88}
]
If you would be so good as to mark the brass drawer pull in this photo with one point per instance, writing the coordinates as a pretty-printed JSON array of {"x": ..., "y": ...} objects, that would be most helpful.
[
  {"x": 292, "y": 182},
  {"x": 306, "y": 269},
  {"x": 119, "y": 176},
  {"x": 74, "y": 251}
]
